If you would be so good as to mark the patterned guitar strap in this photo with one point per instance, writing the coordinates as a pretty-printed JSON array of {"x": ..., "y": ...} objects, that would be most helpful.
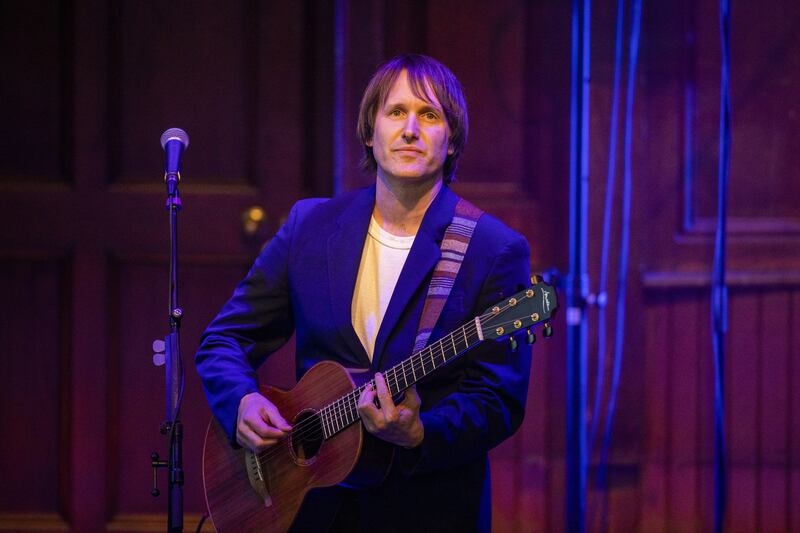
[{"x": 454, "y": 248}]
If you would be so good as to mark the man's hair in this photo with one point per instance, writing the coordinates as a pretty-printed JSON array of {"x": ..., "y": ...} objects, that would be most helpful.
[{"x": 423, "y": 72}]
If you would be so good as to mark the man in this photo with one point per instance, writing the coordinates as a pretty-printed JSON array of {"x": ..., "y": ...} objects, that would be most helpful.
[{"x": 350, "y": 276}]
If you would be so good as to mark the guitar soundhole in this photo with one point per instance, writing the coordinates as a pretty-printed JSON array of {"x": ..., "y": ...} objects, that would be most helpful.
[{"x": 306, "y": 436}]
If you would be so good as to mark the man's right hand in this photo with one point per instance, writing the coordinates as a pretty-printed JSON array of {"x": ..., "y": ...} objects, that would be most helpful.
[{"x": 259, "y": 424}]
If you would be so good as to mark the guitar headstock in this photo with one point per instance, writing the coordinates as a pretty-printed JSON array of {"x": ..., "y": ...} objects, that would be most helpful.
[{"x": 529, "y": 307}]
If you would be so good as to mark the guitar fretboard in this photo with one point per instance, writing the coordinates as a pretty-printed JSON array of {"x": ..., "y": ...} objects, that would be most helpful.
[{"x": 339, "y": 414}]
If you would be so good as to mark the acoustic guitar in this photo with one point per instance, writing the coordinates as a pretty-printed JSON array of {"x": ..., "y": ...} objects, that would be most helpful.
[{"x": 248, "y": 491}]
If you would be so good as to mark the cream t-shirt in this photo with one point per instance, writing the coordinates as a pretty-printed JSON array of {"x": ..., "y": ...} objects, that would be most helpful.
[{"x": 382, "y": 261}]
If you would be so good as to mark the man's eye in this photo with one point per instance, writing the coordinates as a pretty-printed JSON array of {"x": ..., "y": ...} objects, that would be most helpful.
[
  {"x": 430, "y": 115},
  {"x": 395, "y": 113}
]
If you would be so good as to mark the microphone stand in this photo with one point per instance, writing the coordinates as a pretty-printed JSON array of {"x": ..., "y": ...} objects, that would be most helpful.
[{"x": 174, "y": 374}]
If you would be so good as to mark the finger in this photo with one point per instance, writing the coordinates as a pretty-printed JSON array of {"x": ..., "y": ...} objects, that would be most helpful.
[
  {"x": 240, "y": 439},
  {"x": 367, "y": 395},
  {"x": 383, "y": 391},
  {"x": 412, "y": 400},
  {"x": 263, "y": 430},
  {"x": 387, "y": 404},
  {"x": 366, "y": 402},
  {"x": 260, "y": 441},
  {"x": 274, "y": 417},
  {"x": 371, "y": 416},
  {"x": 247, "y": 438}
]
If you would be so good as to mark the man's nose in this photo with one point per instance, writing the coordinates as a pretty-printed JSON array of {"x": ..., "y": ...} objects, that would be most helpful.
[{"x": 411, "y": 128}]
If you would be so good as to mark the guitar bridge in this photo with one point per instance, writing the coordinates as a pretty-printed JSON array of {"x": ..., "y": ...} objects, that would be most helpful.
[{"x": 256, "y": 476}]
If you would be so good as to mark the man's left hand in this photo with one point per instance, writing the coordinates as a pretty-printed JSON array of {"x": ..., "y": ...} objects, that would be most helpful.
[{"x": 399, "y": 424}]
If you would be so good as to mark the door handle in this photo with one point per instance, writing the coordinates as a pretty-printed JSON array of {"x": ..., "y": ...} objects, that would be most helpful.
[{"x": 254, "y": 220}]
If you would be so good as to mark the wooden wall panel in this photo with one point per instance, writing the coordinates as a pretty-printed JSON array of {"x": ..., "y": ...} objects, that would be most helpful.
[
  {"x": 773, "y": 434},
  {"x": 283, "y": 111},
  {"x": 35, "y": 404},
  {"x": 88, "y": 373},
  {"x": 161, "y": 58},
  {"x": 80, "y": 50},
  {"x": 656, "y": 488},
  {"x": 35, "y": 40},
  {"x": 794, "y": 413},
  {"x": 683, "y": 420},
  {"x": 764, "y": 52},
  {"x": 681, "y": 108},
  {"x": 521, "y": 467},
  {"x": 758, "y": 412},
  {"x": 136, "y": 387},
  {"x": 742, "y": 417},
  {"x": 137, "y": 390},
  {"x": 533, "y": 459},
  {"x": 704, "y": 418},
  {"x": 492, "y": 77}
]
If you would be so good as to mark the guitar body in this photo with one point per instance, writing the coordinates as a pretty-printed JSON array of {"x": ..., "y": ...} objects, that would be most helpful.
[{"x": 263, "y": 492}]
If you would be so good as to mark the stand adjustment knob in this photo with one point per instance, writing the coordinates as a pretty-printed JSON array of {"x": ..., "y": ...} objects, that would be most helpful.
[
  {"x": 159, "y": 357},
  {"x": 156, "y": 464}
]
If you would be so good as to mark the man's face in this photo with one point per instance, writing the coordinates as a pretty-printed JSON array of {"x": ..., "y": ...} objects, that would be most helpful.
[{"x": 411, "y": 136}]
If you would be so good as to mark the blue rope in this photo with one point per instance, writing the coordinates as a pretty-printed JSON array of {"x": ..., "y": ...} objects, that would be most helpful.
[
  {"x": 619, "y": 333},
  {"x": 719, "y": 291},
  {"x": 609, "y": 205}
]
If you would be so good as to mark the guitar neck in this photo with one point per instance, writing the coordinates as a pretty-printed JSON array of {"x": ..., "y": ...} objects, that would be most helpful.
[
  {"x": 405, "y": 374},
  {"x": 341, "y": 413}
]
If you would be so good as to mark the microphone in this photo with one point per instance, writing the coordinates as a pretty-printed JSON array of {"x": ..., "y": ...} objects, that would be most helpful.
[{"x": 174, "y": 141}]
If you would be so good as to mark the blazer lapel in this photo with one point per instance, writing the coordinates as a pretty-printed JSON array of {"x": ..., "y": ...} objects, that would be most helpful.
[
  {"x": 344, "y": 256},
  {"x": 422, "y": 258}
]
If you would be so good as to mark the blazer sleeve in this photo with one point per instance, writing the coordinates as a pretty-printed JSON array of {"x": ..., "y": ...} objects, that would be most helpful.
[
  {"x": 255, "y": 322},
  {"x": 488, "y": 404}
]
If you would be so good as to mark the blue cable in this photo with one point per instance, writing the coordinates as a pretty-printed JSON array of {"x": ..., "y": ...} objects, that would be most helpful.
[
  {"x": 633, "y": 58},
  {"x": 719, "y": 291},
  {"x": 577, "y": 284},
  {"x": 609, "y": 205}
]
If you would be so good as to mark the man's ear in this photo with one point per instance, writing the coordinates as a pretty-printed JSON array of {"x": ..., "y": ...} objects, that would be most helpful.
[
  {"x": 450, "y": 149},
  {"x": 369, "y": 143}
]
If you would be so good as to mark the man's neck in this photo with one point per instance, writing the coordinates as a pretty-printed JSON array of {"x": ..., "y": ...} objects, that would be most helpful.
[{"x": 400, "y": 205}]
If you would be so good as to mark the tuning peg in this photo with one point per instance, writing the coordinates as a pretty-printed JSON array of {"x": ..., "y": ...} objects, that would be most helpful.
[
  {"x": 548, "y": 330},
  {"x": 513, "y": 343},
  {"x": 531, "y": 338},
  {"x": 535, "y": 279}
]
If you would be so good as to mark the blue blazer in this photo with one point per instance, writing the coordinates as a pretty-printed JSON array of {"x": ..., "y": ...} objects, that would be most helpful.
[{"x": 303, "y": 282}]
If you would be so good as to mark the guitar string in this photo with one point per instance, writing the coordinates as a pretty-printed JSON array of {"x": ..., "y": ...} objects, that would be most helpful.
[
  {"x": 438, "y": 344},
  {"x": 309, "y": 428},
  {"x": 337, "y": 408},
  {"x": 346, "y": 402},
  {"x": 306, "y": 431}
]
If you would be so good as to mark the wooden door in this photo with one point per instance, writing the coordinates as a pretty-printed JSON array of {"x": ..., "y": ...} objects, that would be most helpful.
[{"x": 90, "y": 86}]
